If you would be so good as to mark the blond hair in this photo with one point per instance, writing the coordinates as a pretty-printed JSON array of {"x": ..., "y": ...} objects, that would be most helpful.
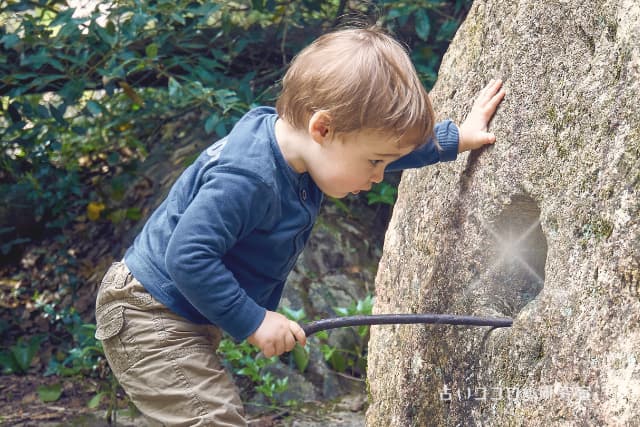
[{"x": 364, "y": 79}]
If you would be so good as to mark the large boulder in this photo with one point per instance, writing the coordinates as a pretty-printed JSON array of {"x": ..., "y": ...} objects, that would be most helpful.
[{"x": 543, "y": 227}]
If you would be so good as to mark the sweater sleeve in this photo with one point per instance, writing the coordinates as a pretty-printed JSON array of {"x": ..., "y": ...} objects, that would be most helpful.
[
  {"x": 227, "y": 207},
  {"x": 447, "y": 137}
]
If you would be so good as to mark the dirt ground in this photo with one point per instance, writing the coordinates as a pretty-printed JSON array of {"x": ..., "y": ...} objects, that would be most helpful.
[{"x": 20, "y": 405}]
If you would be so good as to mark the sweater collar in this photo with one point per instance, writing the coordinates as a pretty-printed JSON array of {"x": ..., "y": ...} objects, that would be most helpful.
[{"x": 292, "y": 176}]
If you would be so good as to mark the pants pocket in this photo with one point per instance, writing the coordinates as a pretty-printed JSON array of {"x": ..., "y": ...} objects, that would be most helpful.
[
  {"x": 109, "y": 323},
  {"x": 118, "y": 340}
]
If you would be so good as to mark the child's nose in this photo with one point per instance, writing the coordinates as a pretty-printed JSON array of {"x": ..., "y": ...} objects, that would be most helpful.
[{"x": 378, "y": 175}]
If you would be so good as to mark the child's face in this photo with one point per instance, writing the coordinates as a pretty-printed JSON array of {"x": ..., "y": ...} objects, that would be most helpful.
[{"x": 353, "y": 162}]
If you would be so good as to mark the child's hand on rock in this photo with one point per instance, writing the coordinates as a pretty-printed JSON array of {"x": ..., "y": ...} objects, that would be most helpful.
[{"x": 473, "y": 131}]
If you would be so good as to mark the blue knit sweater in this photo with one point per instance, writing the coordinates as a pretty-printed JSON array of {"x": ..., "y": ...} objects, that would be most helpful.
[{"x": 220, "y": 246}]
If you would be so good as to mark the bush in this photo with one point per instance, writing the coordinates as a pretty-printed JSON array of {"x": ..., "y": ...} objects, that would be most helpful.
[{"x": 81, "y": 93}]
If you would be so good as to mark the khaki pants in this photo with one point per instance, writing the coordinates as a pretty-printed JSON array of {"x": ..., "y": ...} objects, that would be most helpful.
[{"x": 166, "y": 364}]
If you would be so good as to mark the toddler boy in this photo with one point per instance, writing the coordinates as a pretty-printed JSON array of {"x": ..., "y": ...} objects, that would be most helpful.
[{"x": 216, "y": 253}]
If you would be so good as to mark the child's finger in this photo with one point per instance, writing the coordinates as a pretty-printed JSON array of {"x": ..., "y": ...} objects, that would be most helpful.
[
  {"x": 290, "y": 342},
  {"x": 496, "y": 99},
  {"x": 487, "y": 86},
  {"x": 487, "y": 92},
  {"x": 489, "y": 138},
  {"x": 492, "y": 89},
  {"x": 482, "y": 95},
  {"x": 298, "y": 332},
  {"x": 269, "y": 350}
]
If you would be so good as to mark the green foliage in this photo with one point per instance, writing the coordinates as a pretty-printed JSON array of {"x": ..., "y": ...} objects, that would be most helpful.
[
  {"x": 8, "y": 243},
  {"x": 360, "y": 307},
  {"x": 79, "y": 355},
  {"x": 299, "y": 354},
  {"x": 49, "y": 393},
  {"x": 18, "y": 358},
  {"x": 83, "y": 354},
  {"x": 353, "y": 360},
  {"x": 109, "y": 391},
  {"x": 244, "y": 359},
  {"x": 429, "y": 26},
  {"x": 383, "y": 193},
  {"x": 270, "y": 386},
  {"x": 72, "y": 88},
  {"x": 300, "y": 357}
]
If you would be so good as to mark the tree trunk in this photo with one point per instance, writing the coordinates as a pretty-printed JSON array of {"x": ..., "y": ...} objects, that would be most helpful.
[{"x": 543, "y": 227}]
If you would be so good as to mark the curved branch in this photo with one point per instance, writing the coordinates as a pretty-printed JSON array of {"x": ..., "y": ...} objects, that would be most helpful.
[{"x": 392, "y": 319}]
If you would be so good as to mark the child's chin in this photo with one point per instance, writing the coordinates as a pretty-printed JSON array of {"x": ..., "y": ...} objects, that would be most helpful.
[{"x": 337, "y": 195}]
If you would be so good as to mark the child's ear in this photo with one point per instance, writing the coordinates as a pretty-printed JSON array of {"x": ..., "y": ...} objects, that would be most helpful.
[{"x": 320, "y": 126}]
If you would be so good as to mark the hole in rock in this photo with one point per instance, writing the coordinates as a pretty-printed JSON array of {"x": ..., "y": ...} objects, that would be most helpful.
[{"x": 516, "y": 250}]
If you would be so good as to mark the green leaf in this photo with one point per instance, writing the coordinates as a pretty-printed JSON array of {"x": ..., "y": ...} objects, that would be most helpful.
[
  {"x": 295, "y": 315},
  {"x": 63, "y": 17},
  {"x": 49, "y": 393},
  {"x": 226, "y": 99},
  {"x": 338, "y": 362},
  {"x": 211, "y": 123},
  {"x": 250, "y": 371},
  {"x": 447, "y": 30},
  {"x": 8, "y": 363},
  {"x": 177, "y": 17},
  {"x": 233, "y": 354},
  {"x": 300, "y": 357},
  {"x": 106, "y": 34},
  {"x": 395, "y": 13},
  {"x": 282, "y": 384},
  {"x": 257, "y": 5},
  {"x": 327, "y": 351},
  {"x": 364, "y": 306},
  {"x": 175, "y": 89},
  {"x": 383, "y": 193},
  {"x": 9, "y": 40},
  {"x": 423, "y": 24},
  {"x": 72, "y": 90},
  {"x": 134, "y": 214},
  {"x": 94, "y": 108},
  {"x": 363, "y": 330},
  {"x": 341, "y": 311},
  {"x": 95, "y": 400},
  {"x": 151, "y": 50},
  {"x": 322, "y": 335},
  {"x": 23, "y": 353},
  {"x": 58, "y": 114},
  {"x": 221, "y": 129}
]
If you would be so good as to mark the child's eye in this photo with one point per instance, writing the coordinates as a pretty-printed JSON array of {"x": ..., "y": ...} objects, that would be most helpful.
[{"x": 375, "y": 162}]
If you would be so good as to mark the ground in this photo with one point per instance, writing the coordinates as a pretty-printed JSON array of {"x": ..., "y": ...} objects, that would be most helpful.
[{"x": 20, "y": 405}]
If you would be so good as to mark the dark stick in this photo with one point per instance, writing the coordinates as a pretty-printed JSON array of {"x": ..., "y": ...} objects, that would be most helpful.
[{"x": 392, "y": 319}]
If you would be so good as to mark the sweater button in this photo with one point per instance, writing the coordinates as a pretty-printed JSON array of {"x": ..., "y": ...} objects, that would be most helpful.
[{"x": 303, "y": 194}]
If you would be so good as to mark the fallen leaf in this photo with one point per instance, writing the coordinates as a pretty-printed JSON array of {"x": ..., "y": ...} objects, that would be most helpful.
[{"x": 50, "y": 393}]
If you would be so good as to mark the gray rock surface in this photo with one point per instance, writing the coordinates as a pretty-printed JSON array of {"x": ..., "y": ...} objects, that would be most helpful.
[{"x": 543, "y": 227}]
